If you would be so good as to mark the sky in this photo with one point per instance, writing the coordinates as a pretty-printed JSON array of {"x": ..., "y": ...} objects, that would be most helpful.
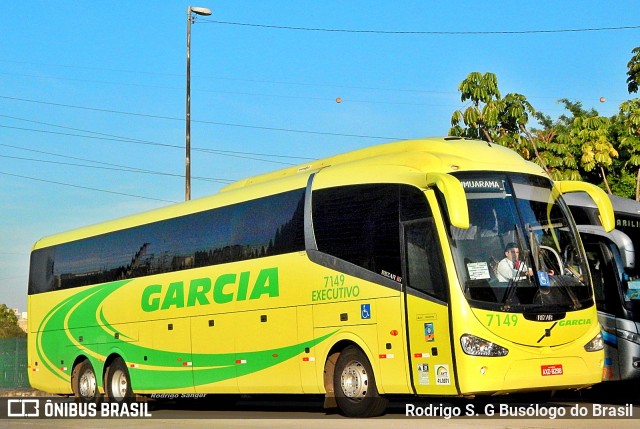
[{"x": 92, "y": 93}]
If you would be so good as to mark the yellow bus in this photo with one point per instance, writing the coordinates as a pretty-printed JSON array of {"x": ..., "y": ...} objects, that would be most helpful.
[{"x": 364, "y": 275}]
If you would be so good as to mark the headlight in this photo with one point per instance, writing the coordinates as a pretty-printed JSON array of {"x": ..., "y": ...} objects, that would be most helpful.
[
  {"x": 596, "y": 344},
  {"x": 476, "y": 346}
]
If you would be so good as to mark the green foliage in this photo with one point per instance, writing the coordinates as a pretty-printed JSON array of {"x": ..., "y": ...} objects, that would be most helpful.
[
  {"x": 558, "y": 153},
  {"x": 9, "y": 323},
  {"x": 633, "y": 72},
  {"x": 627, "y": 131},
  {"x": 629, "y": 115},
  {"x": 579, "y": 145},
  {"x": 479, "y": 88},
  {"x": 491, "y": 117},
  {"x": 481, "y": 115},
  {"x": 624, "y": 184},
  {"x": 593, "y": 134}
]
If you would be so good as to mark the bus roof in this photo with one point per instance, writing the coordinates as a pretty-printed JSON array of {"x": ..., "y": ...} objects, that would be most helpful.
[
  {"x": 447, "y": 154},
  {"x": 442, "y": 155}
]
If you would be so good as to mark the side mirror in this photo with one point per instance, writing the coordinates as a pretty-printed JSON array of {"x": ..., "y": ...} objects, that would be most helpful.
[
  {"x": 454, "y": 196},
  {"x": 598, "y": 196}
]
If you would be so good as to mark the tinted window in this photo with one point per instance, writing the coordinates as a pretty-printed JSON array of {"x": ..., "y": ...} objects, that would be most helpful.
[
  {"x": 263, "y": 227},
  {"x": 424, "y": 267},
  {"x": 584, "y": 215},
  {"x": 361, "y": 223}
]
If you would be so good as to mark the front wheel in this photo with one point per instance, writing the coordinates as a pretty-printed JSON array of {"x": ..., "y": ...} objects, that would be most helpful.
[
  {"x": 117, "y": 383},
  {"x": 355, "y": 386}
]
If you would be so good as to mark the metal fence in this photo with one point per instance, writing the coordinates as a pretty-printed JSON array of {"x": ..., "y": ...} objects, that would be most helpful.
[{"x": 13, "y": 363}]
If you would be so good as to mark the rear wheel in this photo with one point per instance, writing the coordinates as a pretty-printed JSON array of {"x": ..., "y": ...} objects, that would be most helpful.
[
  {"x": 355, "y": 386},
  {"x": 117, "y": 383},
  {"x": 84, "y": 382}
]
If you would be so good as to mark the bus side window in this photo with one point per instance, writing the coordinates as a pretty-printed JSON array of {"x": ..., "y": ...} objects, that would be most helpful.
[
  {"x": 359, "y": 224},
  {"x": 424, "y": 267}
]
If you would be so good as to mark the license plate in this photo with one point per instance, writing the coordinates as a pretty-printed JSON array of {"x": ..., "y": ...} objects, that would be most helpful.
[{"x": 551, "y": 370}]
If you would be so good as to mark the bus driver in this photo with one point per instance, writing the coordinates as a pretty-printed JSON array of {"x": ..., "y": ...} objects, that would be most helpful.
[{"x": 511, "y": 267}]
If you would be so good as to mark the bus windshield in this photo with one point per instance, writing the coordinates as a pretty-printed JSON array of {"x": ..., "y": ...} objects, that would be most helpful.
[{"x": 520, "y": 253}]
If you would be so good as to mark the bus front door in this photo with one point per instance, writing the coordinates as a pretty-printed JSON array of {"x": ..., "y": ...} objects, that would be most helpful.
[{"x": 427, "y": 312}]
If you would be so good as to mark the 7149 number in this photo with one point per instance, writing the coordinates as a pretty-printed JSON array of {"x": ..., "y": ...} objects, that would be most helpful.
[
  {"x": 334, "y": 281},
  {"x": 502, "y": 319}
]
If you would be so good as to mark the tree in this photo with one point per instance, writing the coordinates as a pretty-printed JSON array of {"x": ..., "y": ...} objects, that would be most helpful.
[
  {"x": 597, "y": 149},
  {"x": 633, "y": 73},
  {"x": 482, "y": 116},
  {"x": 493, "y": 118},
  {"x": 513, "y": 119},
  {"x": 9, "y": 323},
  {"x": 629, "y": 121},
  {"x": 558, "y": 149},
  {"x": 557, "y": 154}
]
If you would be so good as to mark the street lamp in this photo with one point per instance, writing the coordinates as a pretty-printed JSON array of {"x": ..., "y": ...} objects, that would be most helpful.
[{"x": 190, "y": 11}]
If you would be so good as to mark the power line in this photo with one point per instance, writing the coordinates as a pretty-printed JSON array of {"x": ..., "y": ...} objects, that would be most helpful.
[
  {"x": 309, "y": 84},
  {"x": 75, "y": 67},
  {"x": 139, "y": 141},
  {"x": 225, "y": 78},
  {"x": 257, "y": 94},
  {"x": 289, "y": 130},
  {"x": 429, "y": 33},
  {"x": 116, "y": 139},
  {"x": 73, "y": 157},
  {"x": 117, "y": 168},
  {"x": 85, "y": 187},
  {"x": 213, "y": 151}
]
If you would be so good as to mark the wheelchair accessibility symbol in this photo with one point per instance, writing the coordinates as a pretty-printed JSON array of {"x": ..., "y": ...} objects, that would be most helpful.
[{"x": 365, "y": 311}]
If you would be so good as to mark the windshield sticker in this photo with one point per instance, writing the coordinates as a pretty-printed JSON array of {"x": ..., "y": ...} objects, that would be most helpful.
[
  {"x": 543, "y": 278},
  {"x": 633, "y": 293},
  {"x": 429, "y": 332},
  {"x": 478, "y": 271},
  {"x": 423, "y": 374},
  {"x": 442, "y": 375}
]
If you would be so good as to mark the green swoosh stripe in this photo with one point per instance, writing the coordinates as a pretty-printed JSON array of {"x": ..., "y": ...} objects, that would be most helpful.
[
  {"x": 228, "y": 369},
  {"x": 82, "y": 315},
  {"x": 51, "y": 339}
]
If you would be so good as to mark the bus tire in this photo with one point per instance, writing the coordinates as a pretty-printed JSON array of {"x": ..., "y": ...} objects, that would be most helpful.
[
  {"x": 84, "y": 383},
  {"x": 355, "y": 386},
  {"x": 117, "y": 383}
]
